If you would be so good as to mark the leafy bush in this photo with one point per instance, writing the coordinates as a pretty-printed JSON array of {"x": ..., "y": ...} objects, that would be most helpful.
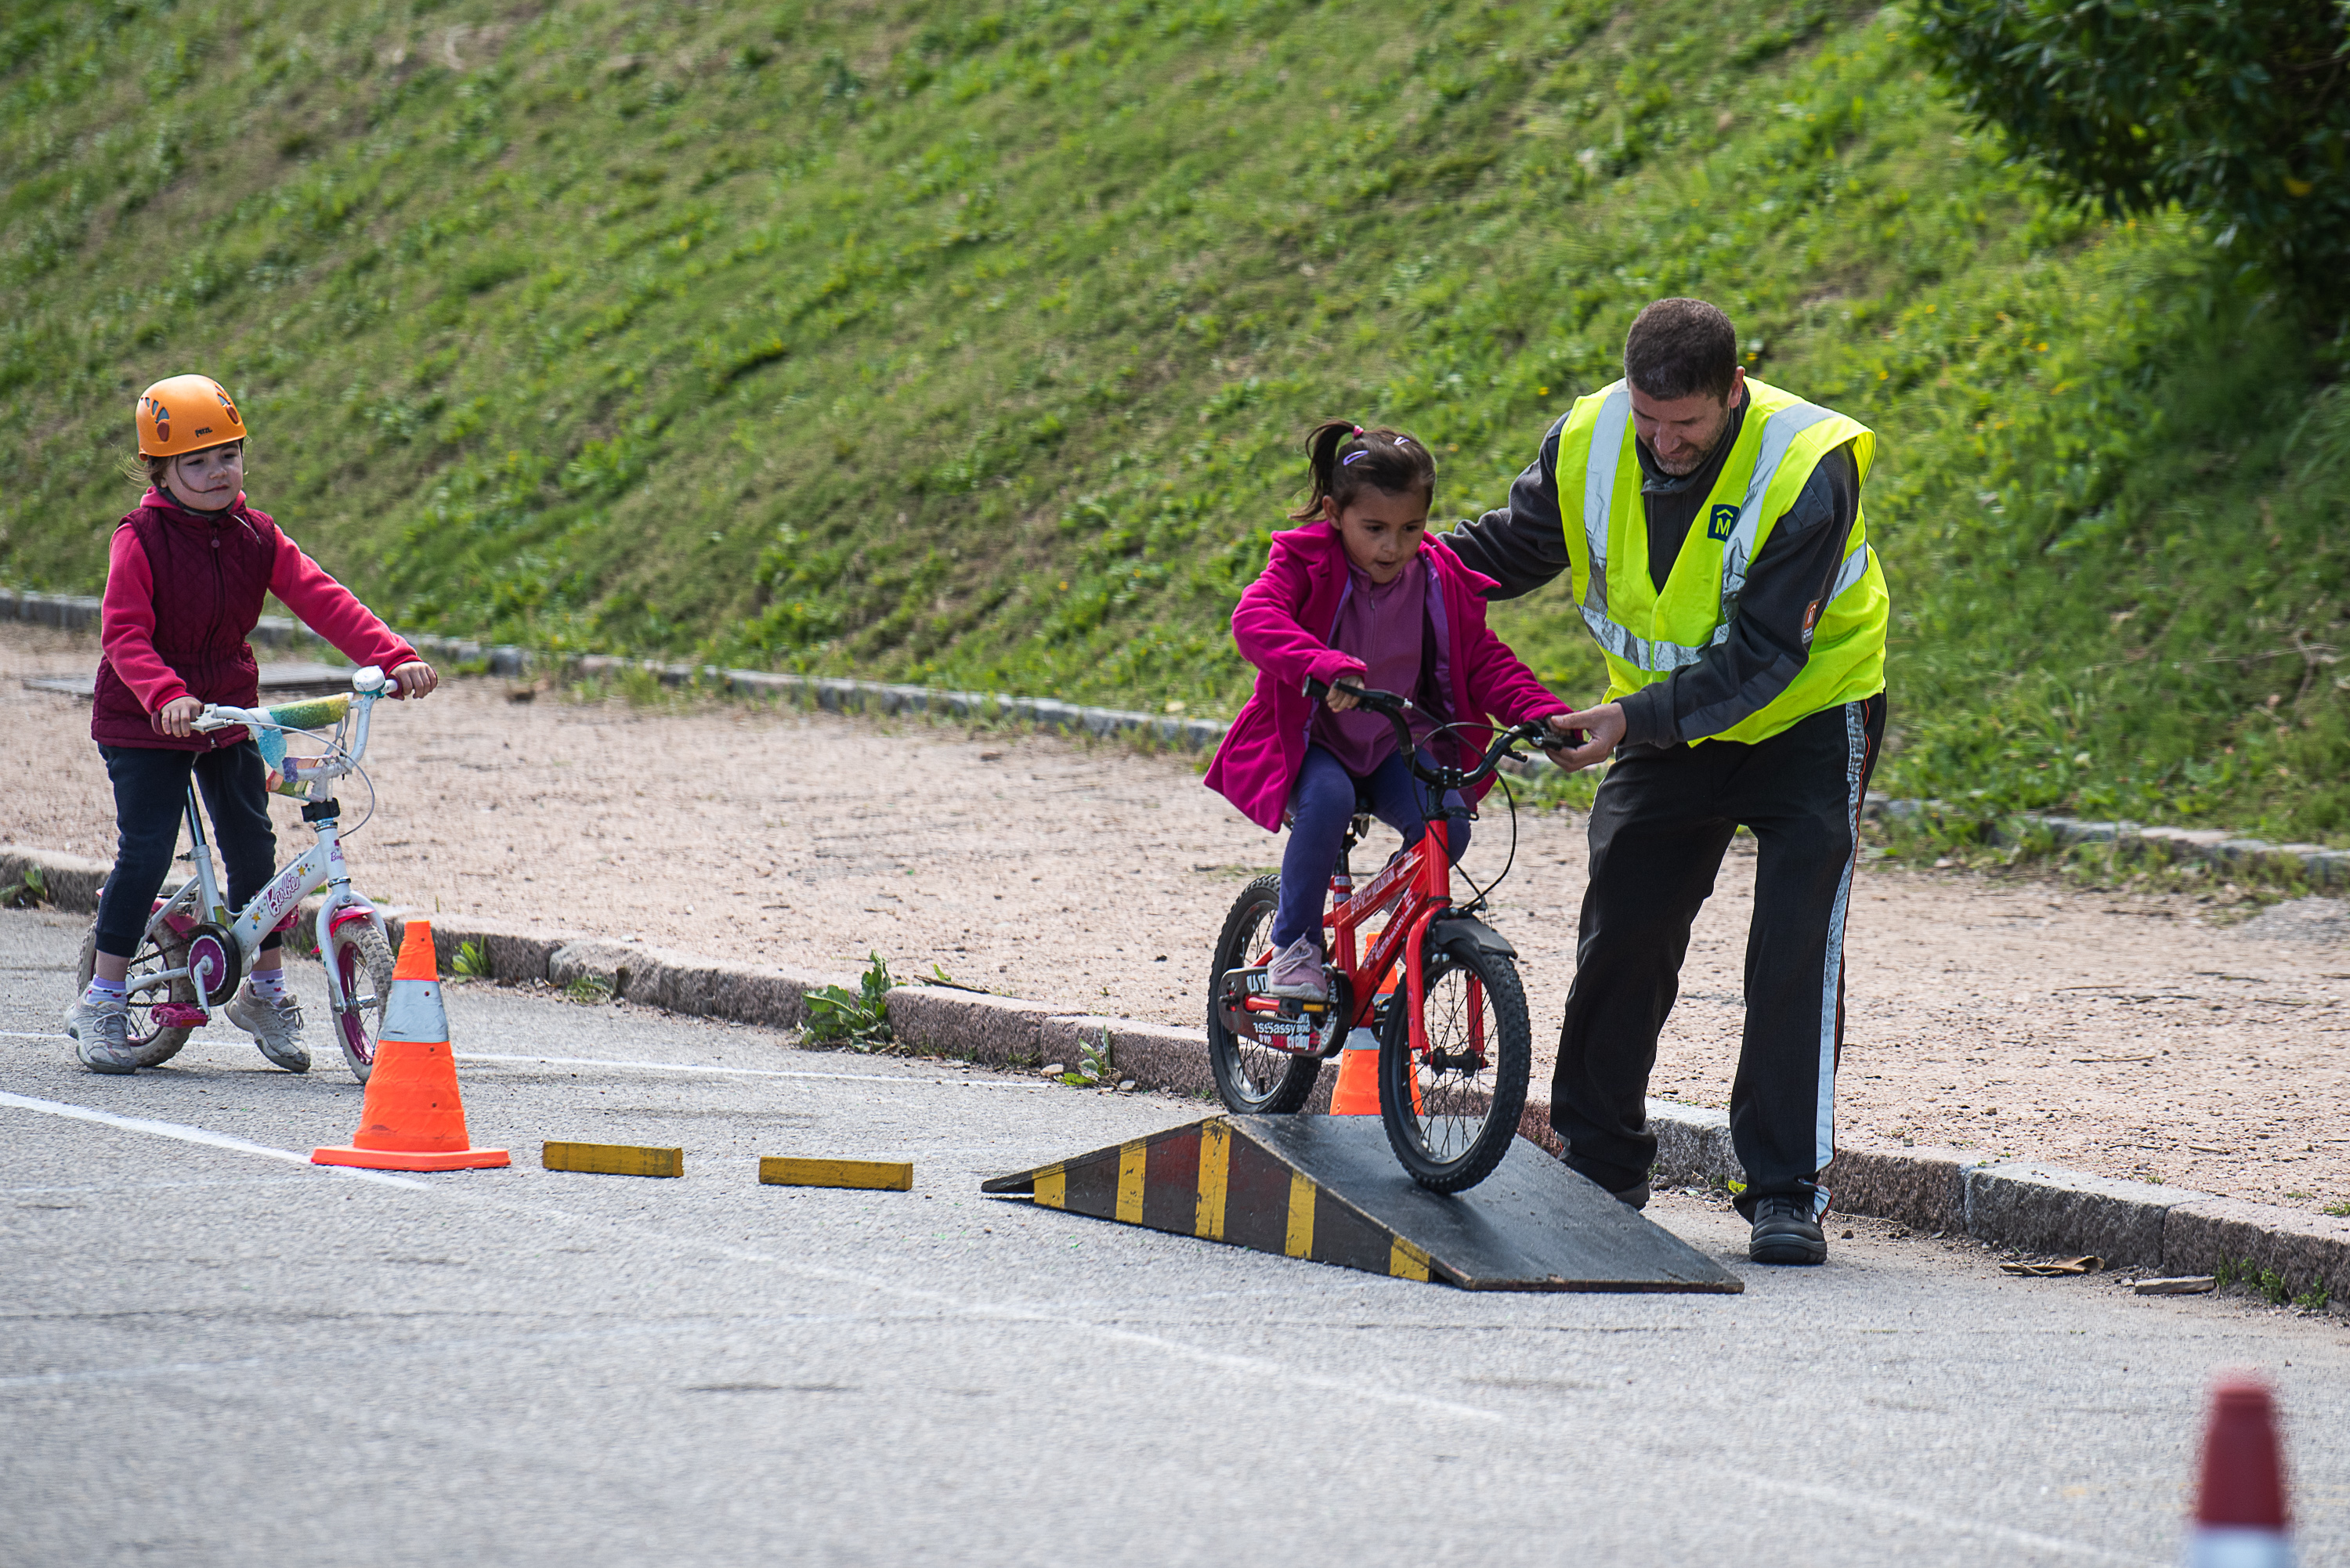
[{"x": 2237, "y": 109}]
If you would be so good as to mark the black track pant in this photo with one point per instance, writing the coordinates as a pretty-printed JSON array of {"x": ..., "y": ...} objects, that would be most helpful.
[
  {"x": 1663, "y": 818},
  {"x": 150, "y": 789}
]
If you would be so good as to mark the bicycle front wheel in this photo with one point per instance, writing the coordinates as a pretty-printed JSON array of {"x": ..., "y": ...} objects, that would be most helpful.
[
  {"x": 362, "y": 960},
  {"x": 1451, "y": 1110},
  {"x": 1252, "y": 1078}
]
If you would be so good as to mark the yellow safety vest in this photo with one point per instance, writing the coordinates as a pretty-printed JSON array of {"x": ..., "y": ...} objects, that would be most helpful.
[{"x": 1647, "y": 634}]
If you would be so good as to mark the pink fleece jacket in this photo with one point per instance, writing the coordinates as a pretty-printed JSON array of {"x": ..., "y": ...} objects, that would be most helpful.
[{"x": 1282, "y": 625}]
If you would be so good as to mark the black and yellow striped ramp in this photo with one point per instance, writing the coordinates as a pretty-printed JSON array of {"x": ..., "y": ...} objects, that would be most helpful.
[{"x": 1328, "y": 1189}]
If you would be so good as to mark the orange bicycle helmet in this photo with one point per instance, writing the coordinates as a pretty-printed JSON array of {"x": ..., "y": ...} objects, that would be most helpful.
[{"x": 186, "y": 413}]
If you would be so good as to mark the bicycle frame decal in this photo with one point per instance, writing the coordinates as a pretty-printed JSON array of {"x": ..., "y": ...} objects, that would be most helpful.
[{"x": 288, "y": 888}]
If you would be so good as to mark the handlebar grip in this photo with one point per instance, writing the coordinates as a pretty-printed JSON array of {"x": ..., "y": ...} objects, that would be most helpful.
[{"x": 1393, "y": 704}]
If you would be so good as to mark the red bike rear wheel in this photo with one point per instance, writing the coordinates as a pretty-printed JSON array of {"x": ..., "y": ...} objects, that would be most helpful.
[{"x": 1250, "y": 1078}]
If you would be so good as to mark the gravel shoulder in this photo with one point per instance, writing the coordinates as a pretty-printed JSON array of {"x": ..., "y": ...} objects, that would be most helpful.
[{"x": 2126, "y": 1036}]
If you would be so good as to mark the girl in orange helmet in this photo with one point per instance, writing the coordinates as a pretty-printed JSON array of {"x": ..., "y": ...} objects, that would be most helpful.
[{"x": 185, "y": 581}]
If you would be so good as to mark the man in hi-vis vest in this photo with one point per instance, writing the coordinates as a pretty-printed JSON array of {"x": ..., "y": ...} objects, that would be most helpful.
[{"x": 1711, "y": 532}]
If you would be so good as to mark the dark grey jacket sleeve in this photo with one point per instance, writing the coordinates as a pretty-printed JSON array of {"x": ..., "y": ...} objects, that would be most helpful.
[
  {"x": 1771, "y": 635},
  {"x": 1523, "y": 546}
]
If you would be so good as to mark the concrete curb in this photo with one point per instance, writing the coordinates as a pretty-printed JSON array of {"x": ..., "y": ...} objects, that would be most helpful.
[
  {"x": 78, "y": 612},
  {"x": 2012, "y": 1203},
  {"x": 2321, "y": 866},
  {"x": 2215, "y": 846}
]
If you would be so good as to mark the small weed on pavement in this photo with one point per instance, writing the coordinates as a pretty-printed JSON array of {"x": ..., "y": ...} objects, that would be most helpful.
[{"x": 857, "y": 1019}]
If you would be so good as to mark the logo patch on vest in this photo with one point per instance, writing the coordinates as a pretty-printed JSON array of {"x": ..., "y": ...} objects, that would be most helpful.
[{"x": 1722, "y": 523}]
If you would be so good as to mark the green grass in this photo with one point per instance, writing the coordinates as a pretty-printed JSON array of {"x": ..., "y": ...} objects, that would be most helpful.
[{"x": 971, "y": 343}]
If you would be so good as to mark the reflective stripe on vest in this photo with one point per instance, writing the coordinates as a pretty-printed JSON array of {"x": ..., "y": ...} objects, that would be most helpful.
[
  {"x": 1779, "y": 433},
  {"x": 1646, "y": 630}
]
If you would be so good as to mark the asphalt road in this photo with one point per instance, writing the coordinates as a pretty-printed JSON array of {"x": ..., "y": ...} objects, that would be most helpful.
[{"x": 211, "y": 1351}]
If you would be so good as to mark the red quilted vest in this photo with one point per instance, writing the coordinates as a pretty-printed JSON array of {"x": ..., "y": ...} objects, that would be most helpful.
[{"x": 212, "y": 572}]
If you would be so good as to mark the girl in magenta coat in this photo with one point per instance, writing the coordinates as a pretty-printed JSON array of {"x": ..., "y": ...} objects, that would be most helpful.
[{"x": 1359, "y": 595}]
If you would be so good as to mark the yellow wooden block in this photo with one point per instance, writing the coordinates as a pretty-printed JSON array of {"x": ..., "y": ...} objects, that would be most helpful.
[
  {"x": 887, "y": 1175},
  {"x": 612, "y": 1158}
]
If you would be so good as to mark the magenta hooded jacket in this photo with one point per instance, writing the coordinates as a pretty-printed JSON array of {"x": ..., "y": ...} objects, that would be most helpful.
[{"x": 1283, "y": 624}]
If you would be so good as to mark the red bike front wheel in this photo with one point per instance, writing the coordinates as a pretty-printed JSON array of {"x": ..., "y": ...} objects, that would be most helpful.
[{"x": 1452, "y": 1109}]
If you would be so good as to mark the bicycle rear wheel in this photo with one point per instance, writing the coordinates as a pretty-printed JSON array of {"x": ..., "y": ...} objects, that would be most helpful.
[
  {"x": 154, "y": 1043},
  {"x": 362, "y": 959},
  {"x": 1252, "y": 1079},
  {"x": 1451, "y": 1113}
]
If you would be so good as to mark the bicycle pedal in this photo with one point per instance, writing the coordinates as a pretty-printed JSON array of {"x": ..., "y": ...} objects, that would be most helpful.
[{"x": 179, "y": 1015}]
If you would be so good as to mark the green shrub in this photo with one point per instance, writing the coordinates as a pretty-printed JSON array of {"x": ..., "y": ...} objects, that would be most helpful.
[{"x": 2239, "y": 110}]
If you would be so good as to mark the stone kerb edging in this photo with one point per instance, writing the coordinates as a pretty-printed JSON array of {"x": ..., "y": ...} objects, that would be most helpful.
[
  {"x": 2322, "y": 866},
  {"x": 2009, "y": 1202},
  {"x": 78, "y": 612}
]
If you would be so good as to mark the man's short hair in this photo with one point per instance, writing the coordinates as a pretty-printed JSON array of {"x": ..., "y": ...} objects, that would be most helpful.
[{"x": 1679, "y": 347}]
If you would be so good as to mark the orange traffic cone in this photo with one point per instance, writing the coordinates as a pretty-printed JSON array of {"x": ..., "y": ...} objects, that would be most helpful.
[
  {"x": 412, "y": 1118},
  {"x": 2240, "y": 1516},
  {"x": 1356, "y": 1092}
]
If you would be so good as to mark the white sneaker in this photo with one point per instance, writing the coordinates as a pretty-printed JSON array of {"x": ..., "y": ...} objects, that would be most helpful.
[
  {"x": 105, "y": 1041},
  {"x": 275, "y": 1026},
  {"x": 81, "y": 1010},
  {"x": 1296, "y": 972}
]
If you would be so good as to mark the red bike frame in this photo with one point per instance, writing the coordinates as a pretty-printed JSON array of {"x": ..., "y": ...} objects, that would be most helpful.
[{"x": 1418, "y": 884}]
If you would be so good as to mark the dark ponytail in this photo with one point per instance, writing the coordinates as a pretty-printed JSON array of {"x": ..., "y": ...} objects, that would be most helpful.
[{"x": 1343, "y": 459}]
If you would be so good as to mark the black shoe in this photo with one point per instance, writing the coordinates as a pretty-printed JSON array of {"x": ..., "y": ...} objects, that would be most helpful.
[
  {"x": 1785, "y": 1232},
  {"x": 1633, "y": 1196}
]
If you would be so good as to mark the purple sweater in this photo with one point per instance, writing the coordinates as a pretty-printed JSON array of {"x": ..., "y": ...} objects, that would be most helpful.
[{"x": 1386, "y": 627}]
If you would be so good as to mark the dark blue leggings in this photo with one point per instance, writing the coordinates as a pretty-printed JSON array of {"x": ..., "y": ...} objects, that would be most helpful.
[
  {"x": 1321, "y": 804},
  {"x": 151, "y": 786}
]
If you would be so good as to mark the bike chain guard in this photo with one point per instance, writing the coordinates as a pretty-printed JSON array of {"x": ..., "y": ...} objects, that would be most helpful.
[{"x": 1284, "y": 1024}]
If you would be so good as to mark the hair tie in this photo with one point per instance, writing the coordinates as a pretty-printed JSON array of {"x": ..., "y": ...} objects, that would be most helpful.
[{"x": 1358, "y": 432}]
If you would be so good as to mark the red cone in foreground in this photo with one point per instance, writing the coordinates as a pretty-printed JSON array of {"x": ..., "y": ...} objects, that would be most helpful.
[
  {"x": 412, "y": 1118},
  {"x": 2239, "y": 1513}
]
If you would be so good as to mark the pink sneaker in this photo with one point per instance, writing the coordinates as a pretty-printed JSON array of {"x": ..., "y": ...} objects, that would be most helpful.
[{"x": 1296, "y": 970}]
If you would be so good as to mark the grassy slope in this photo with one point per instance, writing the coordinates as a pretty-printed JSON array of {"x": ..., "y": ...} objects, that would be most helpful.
[{"x": 928, "y": 341}]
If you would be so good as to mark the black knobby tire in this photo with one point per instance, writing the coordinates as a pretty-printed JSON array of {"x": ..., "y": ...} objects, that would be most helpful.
[
  {"x": 1252, "y": 1079},
  {"x": 1468, "y": 1109},
  {"x": 155, "y": 1045}
]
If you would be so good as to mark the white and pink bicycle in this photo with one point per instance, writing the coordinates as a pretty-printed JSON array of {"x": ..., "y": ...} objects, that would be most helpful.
[{"x": 195, "y": 951}]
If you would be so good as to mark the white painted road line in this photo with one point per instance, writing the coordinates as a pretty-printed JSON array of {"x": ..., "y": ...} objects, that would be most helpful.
[
  {"x": 740, "y": 1071},
  {"x": 195, "y": 1135}
]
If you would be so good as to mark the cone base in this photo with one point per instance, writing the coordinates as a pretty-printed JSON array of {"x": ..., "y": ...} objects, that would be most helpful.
[{"x": 396, "y": 1160}]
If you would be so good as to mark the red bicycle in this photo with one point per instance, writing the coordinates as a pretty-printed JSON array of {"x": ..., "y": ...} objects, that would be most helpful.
[{"x": 1453, "y": 1041}]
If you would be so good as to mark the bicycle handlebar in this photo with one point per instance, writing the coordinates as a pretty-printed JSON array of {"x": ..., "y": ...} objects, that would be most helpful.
[
  {"x": 368, "y": 684},
  {"x": 1394, "y": 706}
]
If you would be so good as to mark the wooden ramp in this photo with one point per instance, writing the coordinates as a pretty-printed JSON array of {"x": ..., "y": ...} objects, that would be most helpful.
[{"x": 1328, "y": 1189}]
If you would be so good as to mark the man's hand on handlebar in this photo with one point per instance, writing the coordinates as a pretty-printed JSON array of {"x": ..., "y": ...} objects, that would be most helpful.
[
  {"x": 414, "y": 679},
  {"x": 1603, "y": 725},
  {"x": 178, "y": 718}
]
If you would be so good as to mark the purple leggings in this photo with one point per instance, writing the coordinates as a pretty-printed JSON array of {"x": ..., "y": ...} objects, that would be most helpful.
[{"x": 1320, "y": 805}]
